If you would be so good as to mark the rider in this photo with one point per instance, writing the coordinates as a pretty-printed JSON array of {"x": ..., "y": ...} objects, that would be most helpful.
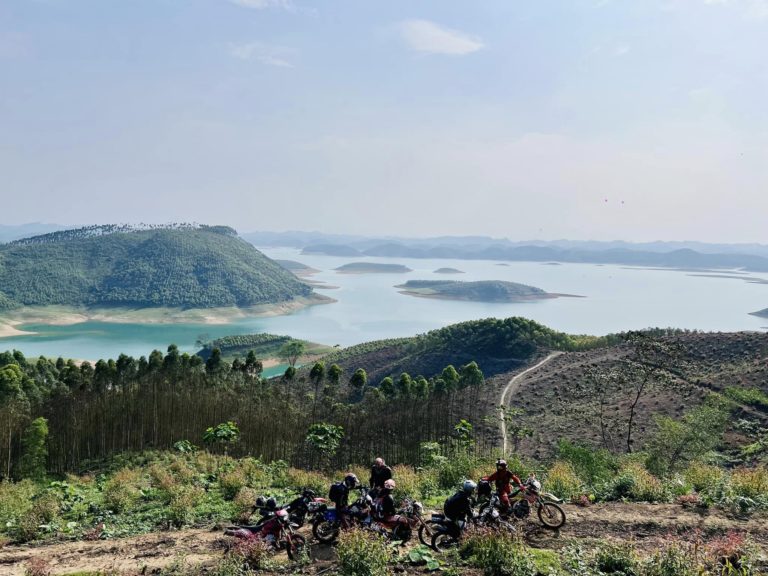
[
  {"x": 339, "y": 493},
  {"x": 384, "y": 506},
  {"x": 380, "y": 473},
  {"x": 503, "y": 478},
  {"x": 458, "y": 507}
]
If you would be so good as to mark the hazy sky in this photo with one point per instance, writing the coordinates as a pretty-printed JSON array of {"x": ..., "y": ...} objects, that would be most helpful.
[{"x": 582, "y": 119}]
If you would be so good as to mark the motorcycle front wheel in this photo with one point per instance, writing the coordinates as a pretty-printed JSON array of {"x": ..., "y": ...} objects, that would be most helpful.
[
  {"x": 551, "y": 515},
  {"x": 325, "y": 531},
  {"x": 426, "y": 532},
  {"x": 295, "y": 545},
  {"x": 442, "y": 541}
]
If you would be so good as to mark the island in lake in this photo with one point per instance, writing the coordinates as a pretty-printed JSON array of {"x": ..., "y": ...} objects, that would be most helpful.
[
  {"x": 761, "y": 313},
  {"x": 482, "y": 291},
  {"x": 448, "y": 271},
  {"x": 372, "y": 268}
]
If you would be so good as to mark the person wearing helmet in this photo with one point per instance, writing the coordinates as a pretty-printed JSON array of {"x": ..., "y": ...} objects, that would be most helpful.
[
  {"x": 504, "y": 480},
  {"x": 380, "y": 473},
  {"x": 384, "y": 505},
  {"x": 458, "y": 508},
  {"x": 339, "y": 492}
]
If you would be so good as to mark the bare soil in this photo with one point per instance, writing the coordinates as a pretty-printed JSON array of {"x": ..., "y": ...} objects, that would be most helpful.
[{"x": 648, "y": 525}]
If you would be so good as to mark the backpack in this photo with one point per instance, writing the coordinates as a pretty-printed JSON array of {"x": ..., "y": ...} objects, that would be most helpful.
[
  {"x": 337, "y": 491},
  {"x": 483, "y": 488}
]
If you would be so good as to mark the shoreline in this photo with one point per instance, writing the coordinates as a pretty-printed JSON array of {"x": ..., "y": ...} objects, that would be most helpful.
[
  {"x": 437, "y": 296},
  {"x": 69, "y": 315}
]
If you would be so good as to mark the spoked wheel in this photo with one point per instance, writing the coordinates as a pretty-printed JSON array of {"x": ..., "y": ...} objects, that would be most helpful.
[
  {"x": 551, "y": 515},
  {"x": 402, "y": 533},
  {"x": 325, "y": 532},
  {"x": 295, "y": 546},
  {"x": 442, "y": 541},
  {"x": 426, "y": 532}
]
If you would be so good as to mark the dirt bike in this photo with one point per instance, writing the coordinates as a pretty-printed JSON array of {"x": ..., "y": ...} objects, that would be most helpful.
[
  {"x": 328, "y": 522},
  {"x": 447, "y": 533},
  {"x": 305, "y": 508},
  {"x": 400, "y": 527},
  {"x": 276, "y": 531},
  {"x": 526, "y": 497}
]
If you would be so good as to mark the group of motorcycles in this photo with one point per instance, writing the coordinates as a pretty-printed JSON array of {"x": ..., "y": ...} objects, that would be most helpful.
[{"x": 277, "y": 526}]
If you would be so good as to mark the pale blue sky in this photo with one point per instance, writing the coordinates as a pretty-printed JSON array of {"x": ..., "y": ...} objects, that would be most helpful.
[{"x": 585, "y": 119}]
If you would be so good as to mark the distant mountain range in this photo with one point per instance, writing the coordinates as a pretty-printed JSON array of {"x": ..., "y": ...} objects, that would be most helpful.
[
  {"x": 694, "y": 255},
  {"x": 186, "y": 266}
]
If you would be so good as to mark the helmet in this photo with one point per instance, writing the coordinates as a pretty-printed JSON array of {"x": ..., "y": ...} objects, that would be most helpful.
[
  {"x": 468, "y": 486},
  {"x": 271, "y": 503},
  {"x": 351, "y": 480},
  {"x": 501, "y": 463},
  {"x": 389, "y": 484},
  {"x": 260, "y": 502}
]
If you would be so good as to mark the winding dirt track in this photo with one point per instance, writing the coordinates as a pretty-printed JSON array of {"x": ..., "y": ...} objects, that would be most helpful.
[
  {"x": 512, "y": 386},
  {"x": 649, "y": 525}
]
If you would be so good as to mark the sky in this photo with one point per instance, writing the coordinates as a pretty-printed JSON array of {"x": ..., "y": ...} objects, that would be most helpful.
[{"x": 635, "y": 120}]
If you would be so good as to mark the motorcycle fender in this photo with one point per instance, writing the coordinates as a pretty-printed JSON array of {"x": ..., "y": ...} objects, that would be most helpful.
[{"x": 551, "y": 497}]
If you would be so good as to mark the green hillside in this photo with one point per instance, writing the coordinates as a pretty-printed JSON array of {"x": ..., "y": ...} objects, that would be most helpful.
[
  {"x": 181, "y": 266},
  {"x": 262, "y": 345},
  {"x": 481, "y": 291}
]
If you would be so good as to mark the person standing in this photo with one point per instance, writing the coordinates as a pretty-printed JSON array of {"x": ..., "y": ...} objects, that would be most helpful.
[{"x": 380, "y": 473}]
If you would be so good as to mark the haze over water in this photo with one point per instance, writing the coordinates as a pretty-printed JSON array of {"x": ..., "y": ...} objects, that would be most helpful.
[{"x": 369, "y": 308}]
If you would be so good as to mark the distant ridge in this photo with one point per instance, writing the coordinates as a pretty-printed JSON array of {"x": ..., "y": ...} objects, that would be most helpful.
[{"x": 175, "y": 265}]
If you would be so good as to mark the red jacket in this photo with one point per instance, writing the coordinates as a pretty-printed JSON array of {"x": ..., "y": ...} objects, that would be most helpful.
[{"x": 503, "y": 478}]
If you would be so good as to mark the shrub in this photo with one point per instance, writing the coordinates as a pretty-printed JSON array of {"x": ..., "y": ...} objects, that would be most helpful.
[
  {"x": 498, "y": 554},
  {"x": 362, "y": 554},
  {"x": 634, "y": 483},
  {"x": 244, "y": 502},
  {"x": 750, "y": 482},
  {"x": 43, "y": 511},
  {"x": 562, "y": 480},
  {"x": 300, "y": 479},
  {"x": 407, "y": 482},
  {"x": 592, "y": 465},
  {"x": 181, "y": 508},
  {"x": 617, "y": 560},
  {"x": 730, "y": 554},
  {"x": 674, "y": 560},
  {"x": 703, "y": 477},
  {"x": 231, "y": 482},
  {"x": 123, "y": 490},
  {"x": 252, "y": 554},
  {"x": 15, "y": 501}
]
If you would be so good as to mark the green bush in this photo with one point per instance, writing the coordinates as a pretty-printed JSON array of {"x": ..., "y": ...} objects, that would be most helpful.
[
  {"x": 674, "y": 560},
  {"x": 184, "y": 500},
  {"x": 122, "y": 490},
  {"x": 231, "y": 482},
  {"x": 362, "y": 554},
  {"x": 244, "y": 503},
  {"x": 591, "y": 465},
  {"x": 617, "y": 560},
  {"x": 703, "y": 477},
  {"x": 498, "y": 554},
  {"x": 562, "y": 480},
  {"x": 634, "y": 483}
]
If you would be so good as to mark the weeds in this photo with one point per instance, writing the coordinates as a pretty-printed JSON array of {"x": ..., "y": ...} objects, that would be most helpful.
[{"x": 362, "y": 554}]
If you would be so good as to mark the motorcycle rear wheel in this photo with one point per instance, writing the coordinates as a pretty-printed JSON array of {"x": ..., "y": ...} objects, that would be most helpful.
[
  {"x": 325, "y": 531},
  {"x": 442, "y": 541},
  {"x": 551, "y": 515},
  {"x": 402, "y": 533}
]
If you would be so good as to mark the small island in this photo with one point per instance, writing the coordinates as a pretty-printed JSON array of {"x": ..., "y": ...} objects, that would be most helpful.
[
  {"x": 372, "y": 268},
  {"x": 297, "y": 267},
  {"x": 482, "y": 291},
  {"x": 448, "y": 271},
  {"x": 760, "y": 313}
]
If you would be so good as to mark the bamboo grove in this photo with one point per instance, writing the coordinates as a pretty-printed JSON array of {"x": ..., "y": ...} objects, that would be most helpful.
[{"x": 128, "y": 404}]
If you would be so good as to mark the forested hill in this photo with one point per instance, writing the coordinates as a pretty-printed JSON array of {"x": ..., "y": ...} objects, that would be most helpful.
[{"x": 186, "y": 266}]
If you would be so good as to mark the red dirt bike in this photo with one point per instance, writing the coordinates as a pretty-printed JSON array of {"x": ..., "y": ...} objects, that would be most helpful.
[
  {"x": 276, "y": 531},
  {"x": 401, "y": 527},
  {"x": 527, "y": 497}
]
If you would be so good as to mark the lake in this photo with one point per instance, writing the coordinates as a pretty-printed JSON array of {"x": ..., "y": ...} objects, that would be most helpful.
[{"x": 368, "y": 307}]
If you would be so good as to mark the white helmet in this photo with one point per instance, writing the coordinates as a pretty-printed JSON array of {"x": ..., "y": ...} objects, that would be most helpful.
[
  {"x": 389, "y": 484},
  {"x": 468, "y": 486}
]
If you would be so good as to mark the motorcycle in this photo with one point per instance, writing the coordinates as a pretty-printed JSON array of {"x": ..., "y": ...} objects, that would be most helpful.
[
  {"x": 277, "y": 531},
  {"x": 305, "y": 507},
  {"x": 328, "y": 522},
  {"x": 400, "y": 527},
  {"x": 527, "y": 497}
]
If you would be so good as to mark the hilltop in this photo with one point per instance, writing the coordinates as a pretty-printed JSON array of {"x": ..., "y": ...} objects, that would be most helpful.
[{"x": 184, "y": 266}]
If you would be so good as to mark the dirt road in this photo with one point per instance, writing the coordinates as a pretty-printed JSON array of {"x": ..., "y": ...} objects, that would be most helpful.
[{"x": 647, "y": 524}]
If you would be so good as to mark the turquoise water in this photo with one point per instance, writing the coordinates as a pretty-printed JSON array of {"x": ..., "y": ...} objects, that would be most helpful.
[{"x": 368, "y": 307}]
